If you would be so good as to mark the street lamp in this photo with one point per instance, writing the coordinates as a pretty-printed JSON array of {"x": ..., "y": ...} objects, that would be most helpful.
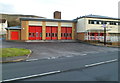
[{"x": 104, "y": 26}]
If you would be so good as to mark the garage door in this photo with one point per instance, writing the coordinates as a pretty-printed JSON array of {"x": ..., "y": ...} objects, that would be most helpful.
[
  {"x": 63, "y": 33},
  {"x": 51, "y": 33},
  {"x": 14, "y": 35},
  {"x": 54, "y": 33},
  {"x": 66, "y": 33},
  {"x": 35, "y": 33},
  {"x": 69, "y": 33},
  {"x": 48, "y": 33}
]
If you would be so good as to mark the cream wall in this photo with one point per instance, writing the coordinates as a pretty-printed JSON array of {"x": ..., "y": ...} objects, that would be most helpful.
[
  {"x": 111, "y": 28},
  {"x": 35, "y": 23},
  {"x": 82, "y": 25},
  {"x": 65, "y": 24},
  {"x": 39, "y": 23}
]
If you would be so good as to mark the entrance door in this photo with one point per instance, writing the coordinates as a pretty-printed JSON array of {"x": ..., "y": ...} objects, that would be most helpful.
[
  {"x": 14, "y": 35},
  {"x": 54, "y": 33},
  {"x": 63, "y": 33},
  {"x": 69, "y": 33}
]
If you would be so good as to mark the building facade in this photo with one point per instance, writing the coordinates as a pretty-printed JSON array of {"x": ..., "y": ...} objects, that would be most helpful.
[
  {"x": 85, "y": 28},
  {"x": 3, "y": 25},
  {"x": 43, "y": 29},
  {"x": 91, "y": 27}
]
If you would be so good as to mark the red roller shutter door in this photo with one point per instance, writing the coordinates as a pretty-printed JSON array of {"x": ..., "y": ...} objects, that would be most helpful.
[
  {"x": 54, "y": 33},
  {"x": 63, "y": 33},
  {"x": 14, "y": 35},
  {"x": 32, "y": 32},
  {"x": 48, "y": 33},
  {"x": 69, "y": 33},
  {"x": 35, "y": 32},
  {"x": 38, "y": 33}
]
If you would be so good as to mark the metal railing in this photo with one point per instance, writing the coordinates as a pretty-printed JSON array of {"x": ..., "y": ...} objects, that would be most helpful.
[{"x": 101, "y": 38}]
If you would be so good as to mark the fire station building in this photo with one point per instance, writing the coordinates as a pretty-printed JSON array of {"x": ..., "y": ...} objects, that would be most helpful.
[
  {"x": 43, "y": 29},
  {"x": 90, "y": 28}
]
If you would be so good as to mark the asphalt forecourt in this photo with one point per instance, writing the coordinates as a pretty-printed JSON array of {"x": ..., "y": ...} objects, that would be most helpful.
[
  {"x": 14, "y": 54},
  {"x": 53, "y": 50}
]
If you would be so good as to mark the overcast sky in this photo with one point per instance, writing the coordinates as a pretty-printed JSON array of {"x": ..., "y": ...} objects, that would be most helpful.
[{"x": 70, "y": 8}]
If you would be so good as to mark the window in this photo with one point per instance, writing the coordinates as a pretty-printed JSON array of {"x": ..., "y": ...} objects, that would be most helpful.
[
  {"x": 97, "y": 22},
  {"x": 49, "y": 35},
  {"x": 103, "y": 22},
  {"x": 61, "y": 35},
  {"x": 56, "y": 35},
  {"x": 70, "y": 35},
  {"x": 46, "y": 35},
  {"x": 100, "y": 22},
  {"x": 40, "y": 34},
  {"x": 36, "y": 34},
  {"x": 33, "y": 35},
  {"x": 52, "y": 34},
  {"x": 64, "y": 35},
  {"x": 118, "y": 23},
  {"x": 30, "y": 34},
  {"x": 67, "y": 34},
  {"x": 108, "y": 22},
  {"x": 111, "y": 22},
  {"x": 91, "y": 21},
  {"x": 114, "y": 23}
]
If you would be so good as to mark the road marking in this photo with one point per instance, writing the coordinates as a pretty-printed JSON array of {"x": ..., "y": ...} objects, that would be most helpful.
[
  {"x": 31, "y": 76},
  {"x": 69, "y": 56},
  {"x": 95, "y": 64},
  {"x": 32, "y": 59},
  {"x": 83, "y": 54}
]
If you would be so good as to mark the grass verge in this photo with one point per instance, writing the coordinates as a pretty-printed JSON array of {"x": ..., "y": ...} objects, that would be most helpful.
[{"x": 11, "y": 52}]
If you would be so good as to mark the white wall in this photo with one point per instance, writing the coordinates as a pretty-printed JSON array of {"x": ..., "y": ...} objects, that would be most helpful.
[
  {"x": 2, "y": 27},
  {"x": 81, "y": 25}
]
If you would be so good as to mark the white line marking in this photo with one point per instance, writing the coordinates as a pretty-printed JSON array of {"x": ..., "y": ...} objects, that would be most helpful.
[
  {"x": 95, "y": 64},
  {"x": 32, "y": 59},
  {"x": 83, "y": 54},
  {"x": 20, "y": 78},
  {"x": 69, "y": 56}
]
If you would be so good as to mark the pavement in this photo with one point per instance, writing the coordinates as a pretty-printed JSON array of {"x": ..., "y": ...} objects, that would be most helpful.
[
  {"x": 13, "y": 59},
  {"x": 52, "y": 50}
]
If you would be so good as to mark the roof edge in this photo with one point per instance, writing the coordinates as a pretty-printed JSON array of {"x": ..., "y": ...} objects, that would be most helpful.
[{"x": 44, "y": 19}]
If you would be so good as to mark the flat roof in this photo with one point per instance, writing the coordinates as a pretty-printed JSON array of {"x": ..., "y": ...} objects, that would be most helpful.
[
  {"x": 14, "y": 28},
  {"x": 98, "y": 16},
  {"x": 44, "y": 19}
]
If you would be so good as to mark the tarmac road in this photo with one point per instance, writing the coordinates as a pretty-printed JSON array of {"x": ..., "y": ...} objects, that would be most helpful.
[{"x": 103, "y": 72}]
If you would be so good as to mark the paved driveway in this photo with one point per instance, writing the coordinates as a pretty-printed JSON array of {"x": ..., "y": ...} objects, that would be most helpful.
[{"x": 55, "y": 50}]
